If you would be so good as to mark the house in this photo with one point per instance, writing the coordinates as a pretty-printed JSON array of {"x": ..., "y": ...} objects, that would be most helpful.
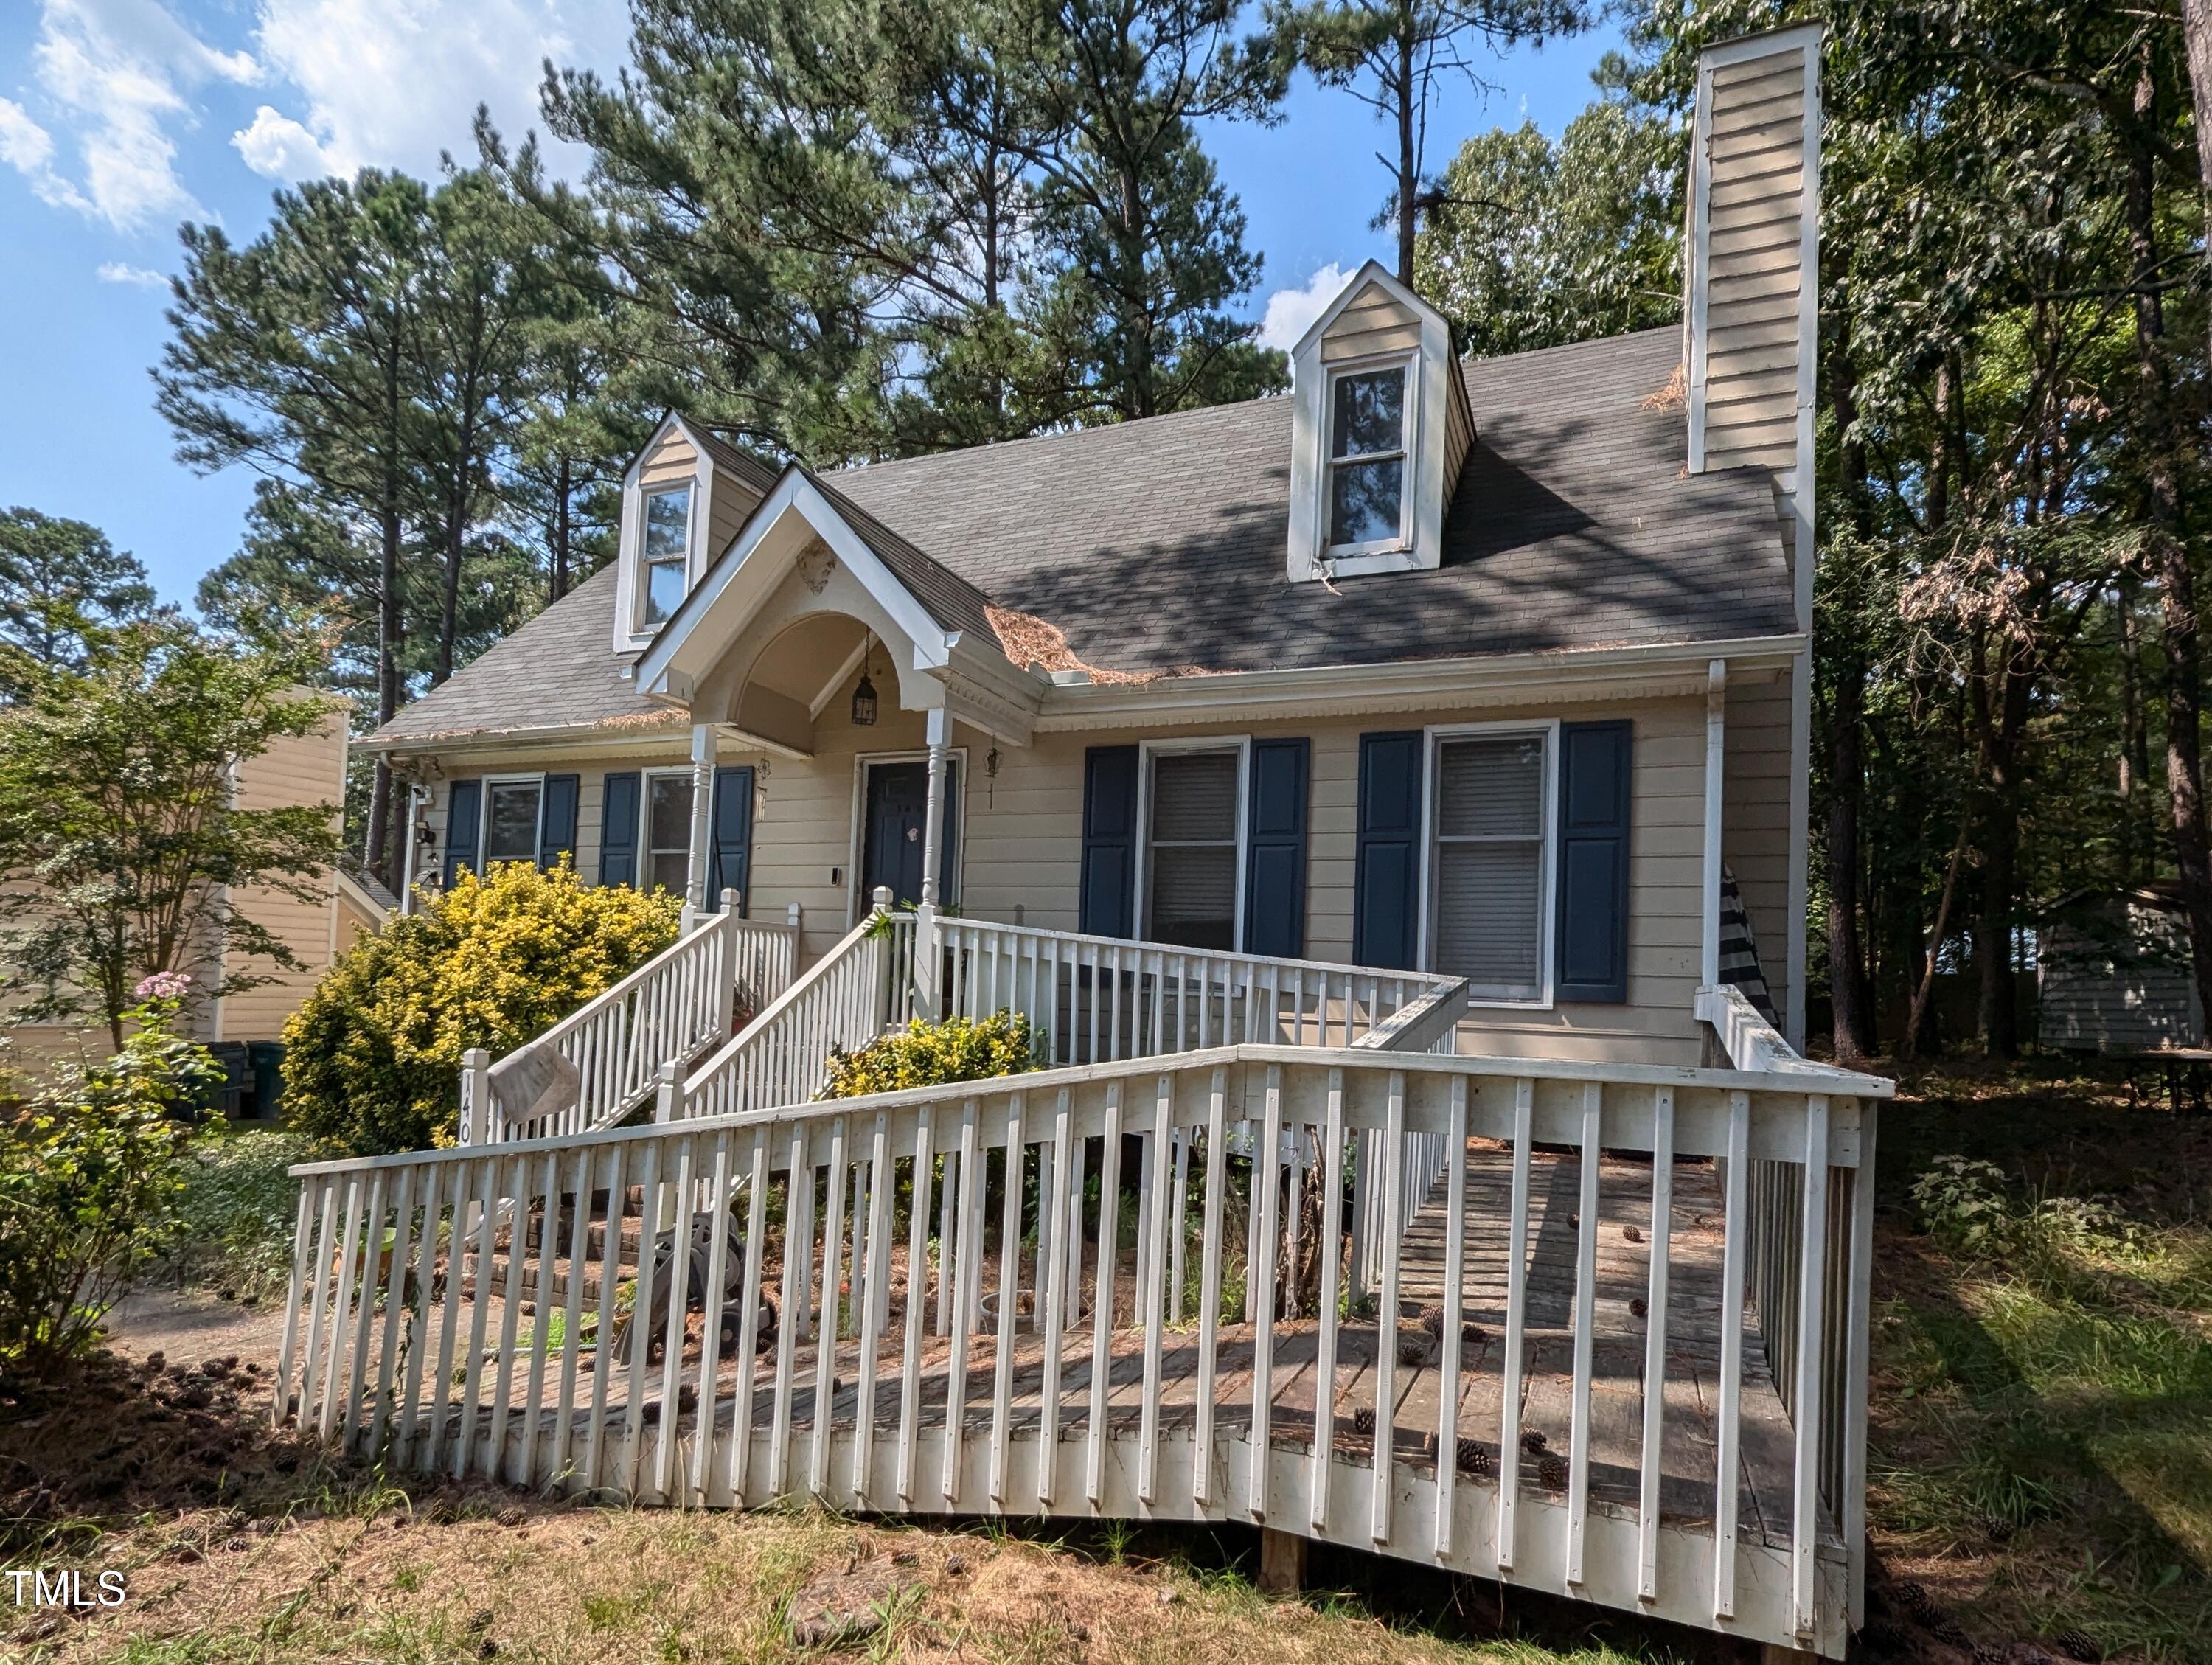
[
  {"x": 244, "y": 1025},
  {"x": 1387, "y": 804}
]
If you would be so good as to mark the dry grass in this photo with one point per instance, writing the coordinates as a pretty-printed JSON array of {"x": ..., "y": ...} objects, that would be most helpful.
[{"x": 367, "y": 1577}]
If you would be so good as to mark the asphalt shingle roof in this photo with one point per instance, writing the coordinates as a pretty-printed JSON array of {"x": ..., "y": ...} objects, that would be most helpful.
[{"x": 1160, "y": 545}]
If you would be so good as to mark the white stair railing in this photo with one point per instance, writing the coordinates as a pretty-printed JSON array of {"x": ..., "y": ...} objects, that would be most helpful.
[
  {"x": 1097, "y": 999},
  {"x": 845, "y": 1000},
  {"x": 603, "y": 1059}
]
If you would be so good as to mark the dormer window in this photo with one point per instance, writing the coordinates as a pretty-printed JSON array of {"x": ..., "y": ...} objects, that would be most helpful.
[
  {"x": 667, "y": 552},
  {"x": 1367, "y": 460},
  {"x": 1379, "y": 426}
]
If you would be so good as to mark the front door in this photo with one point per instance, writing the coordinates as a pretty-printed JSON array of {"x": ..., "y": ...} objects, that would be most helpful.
[{"x": 894, "y": 825}]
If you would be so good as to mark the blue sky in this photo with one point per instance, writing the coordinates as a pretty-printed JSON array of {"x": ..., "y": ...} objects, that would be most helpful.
[{"x": 119, "y": 118}]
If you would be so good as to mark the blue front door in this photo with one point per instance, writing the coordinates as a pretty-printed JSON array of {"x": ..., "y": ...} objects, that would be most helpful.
[{"x": 893, "y": 827}]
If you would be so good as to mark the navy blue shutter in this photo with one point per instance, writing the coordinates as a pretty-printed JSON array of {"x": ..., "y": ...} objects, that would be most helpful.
[
  {"x": 557, "y": 824},
  {"x": 1386, "y": 896},
  {"x": 1107, "y": 901},
  {"x": 730, "y": 839},
  {"x": 618, "y": 828},
  {"x": 1275, "y": 855},
  {"x": 1595, "y": 793},
  {"x": 463, "y": 802}
]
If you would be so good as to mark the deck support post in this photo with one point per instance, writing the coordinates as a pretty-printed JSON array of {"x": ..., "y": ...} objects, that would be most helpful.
[{"x": 1282, "y": 1562}]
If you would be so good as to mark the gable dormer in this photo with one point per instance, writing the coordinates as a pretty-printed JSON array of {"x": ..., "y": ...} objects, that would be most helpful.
[
  {"x": 684, "y": 496},
  {"x": 1380, "y": 428}
]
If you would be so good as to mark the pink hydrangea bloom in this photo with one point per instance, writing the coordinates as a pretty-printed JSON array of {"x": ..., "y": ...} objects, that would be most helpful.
[{"x": 165, "y": 986}]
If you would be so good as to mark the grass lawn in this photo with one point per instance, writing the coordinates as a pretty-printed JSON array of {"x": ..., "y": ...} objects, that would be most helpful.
[
  {"x": 2041, "y": 1461},
  {"x": 2041, "y": 1448}
]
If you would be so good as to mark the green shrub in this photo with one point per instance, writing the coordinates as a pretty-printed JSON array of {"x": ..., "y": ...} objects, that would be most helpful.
[
  {"x": 372, "y": 1061},
  {"x": 235, "y": 1216},
  {"x": 957, "y": 1049},
  {"x": 90, "y": 1173}
]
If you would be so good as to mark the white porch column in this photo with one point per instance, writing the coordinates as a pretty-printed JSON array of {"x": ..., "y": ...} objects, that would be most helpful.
[
  {"x": 939, "y": 732},
  {"x": 1709, "y": 934},
  {"x": 702, "y": 809}
]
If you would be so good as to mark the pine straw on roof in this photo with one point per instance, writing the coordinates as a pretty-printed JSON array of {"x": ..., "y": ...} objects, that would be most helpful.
[{"x": 1033, "y": 643}]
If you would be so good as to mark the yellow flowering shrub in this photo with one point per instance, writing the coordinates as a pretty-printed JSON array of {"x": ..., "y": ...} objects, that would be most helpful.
[
  {"x": 924, "y": 1054},
  {"x": 372, "y": 1061}
]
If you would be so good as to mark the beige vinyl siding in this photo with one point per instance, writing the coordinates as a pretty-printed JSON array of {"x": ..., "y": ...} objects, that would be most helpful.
[
  {"x": 1459, "y": 428},
  {"x": 1754, "y": 261},
  {"x": 309, "y": 769},
  {"x": 1023, "y": 841},
  {"x": 671, "y": 464},
  {"x": 1373, "y": 323},
  {"x": 1755, "y": 821}
]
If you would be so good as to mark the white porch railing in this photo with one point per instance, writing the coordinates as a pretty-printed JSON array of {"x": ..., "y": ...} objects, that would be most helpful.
[
  {"x": 605, "y": 1059},
  {"x": 1670, "y": 1479}
]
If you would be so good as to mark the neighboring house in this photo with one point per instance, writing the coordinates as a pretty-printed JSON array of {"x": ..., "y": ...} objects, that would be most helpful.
[
  {"x": 1432, "y": 663},
  {"x": 2114, "y": 974},
  {"x": 1262, "y": 757},
  {"x": 246, "y": 1026}
]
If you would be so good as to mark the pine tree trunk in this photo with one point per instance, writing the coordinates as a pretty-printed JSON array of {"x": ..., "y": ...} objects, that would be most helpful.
[
  {"x": 1847, "y": 990},
  {"x": 1409, "y": 161},
  {"x": 559, "y": 586}
]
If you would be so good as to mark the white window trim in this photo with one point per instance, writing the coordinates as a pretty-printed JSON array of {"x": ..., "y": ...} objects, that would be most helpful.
[
  {"x": 1548, "y": 904},
  {"x": 490, "y": 783},
  {"x": 642, "y": 569},
  {"x": 956, "y": 809},
  {"x": 1148, "y": 749},
  {"x": 1338, "y": 556},
  {"x": 645, "y": 851}
]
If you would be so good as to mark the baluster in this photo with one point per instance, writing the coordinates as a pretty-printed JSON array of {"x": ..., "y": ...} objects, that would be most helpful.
[
  {"x": 407, "y": 1452},
  {"x": 960, "y": 1258},
  {"x": 1263, "y": 1277},
  {"x": 542, "y": 1325},
  {"x": 311, "y": 1239},
  {"x": 1454, "y": 1270},
  {"x": 341, "y": 1279},
  {"x": 1578, "y": 1455},
  {"x": 572, "y": 1315},
  {"x": 393, "y": 1269},
  {"x": 467, "y": 1182},
  {"x": 1386, "y": 1319},
  {"x": 1650, "y": 1454},
  {"x": 1805, "y": 1414},
  {"x": 641, "y": 1322},
  {"x": 1729, "y": 1422},
  {"x": 875, "y": 1298},
  {"x": 603, "y": 1344},
  {"x": 1149, "y": 1292},
  {"x": 364, "y": 1307},
  {"x": 487, "y": 1222},
  {"x": 1332, "y": 1214},
  {"x": 1053, "y": 1204},
  {"x": 798, "y": 1179},
  {"x": 717, "y": 1213},
  {"x": 1517, "y": 1319},
  {"x": 741, "y": 1413},
  {"x": 911, "y": 1320},
  {"x": 1209, "y": 1280},
  {"x": 1102, "y": 1300},
  {"x": 1010, "y": 1249},
  {"x": 831, "y": 1328}
]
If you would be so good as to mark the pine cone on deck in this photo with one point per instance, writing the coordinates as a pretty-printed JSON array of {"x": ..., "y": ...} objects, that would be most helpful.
[
  {"x": 1432, "y": 1321},
  {"x": 1551, "y": 1472},
  {"x": 1362, "y": 1420},
  {"x": 1533, "y": 1441},
  {"x": 1473, "y": 1459},
  {"x": 1412, "y": 1349}
]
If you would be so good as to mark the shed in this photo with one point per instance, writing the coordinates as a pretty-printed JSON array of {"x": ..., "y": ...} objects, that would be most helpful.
[{"x": 2116, "y": 975}]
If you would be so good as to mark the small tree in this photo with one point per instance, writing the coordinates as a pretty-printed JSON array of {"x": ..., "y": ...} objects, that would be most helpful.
[
  {"x": 90, "y": 1173},
  {"x": 122, "y": 853},
  {"x": 372, "y": 1061}
]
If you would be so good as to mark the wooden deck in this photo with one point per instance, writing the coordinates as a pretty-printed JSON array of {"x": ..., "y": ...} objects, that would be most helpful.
[{"x": 1689, "y": 1453}]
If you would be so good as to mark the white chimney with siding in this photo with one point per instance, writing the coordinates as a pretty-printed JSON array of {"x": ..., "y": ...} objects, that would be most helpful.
[{"x": 1751, "y": 330}]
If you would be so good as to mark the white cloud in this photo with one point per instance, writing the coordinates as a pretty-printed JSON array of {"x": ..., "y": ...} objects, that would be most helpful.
[
  {"x": 278, "y": 147},
  {"x": 115, "y": 75},
  {"x": 114, "y": 271},
  {"x": 1290, "y": 313},
  {"x": 393, "y": 82},
  {"x": 30, "y": 149}
]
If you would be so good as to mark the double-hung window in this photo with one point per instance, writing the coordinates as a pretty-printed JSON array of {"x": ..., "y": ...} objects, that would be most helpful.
[
  {"x": 1490, "y": 871},
  {"x": 512, "y": 812},
  {"x": 667, "y": 551},
  {"x": 667, "y": 832},
  {"x": 1192, "y": 848},
  {"x": 1367, "y": 460}
]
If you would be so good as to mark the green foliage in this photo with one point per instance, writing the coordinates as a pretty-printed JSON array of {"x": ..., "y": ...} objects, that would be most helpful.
[
  {"x": 925, "y": 1054},
  {"x": 57, "y": 578},
  {"x": 90, "y": 1175},
  {"x": 372, "y": 1058},
  {"x": 1536, "y": 244},
  {"x": 123, "y": 851},
  {"x": 236, "y": 1212}
]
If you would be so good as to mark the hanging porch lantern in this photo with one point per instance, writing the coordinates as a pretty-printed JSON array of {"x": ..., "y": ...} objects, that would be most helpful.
[{"x": 863, "y": 695}]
